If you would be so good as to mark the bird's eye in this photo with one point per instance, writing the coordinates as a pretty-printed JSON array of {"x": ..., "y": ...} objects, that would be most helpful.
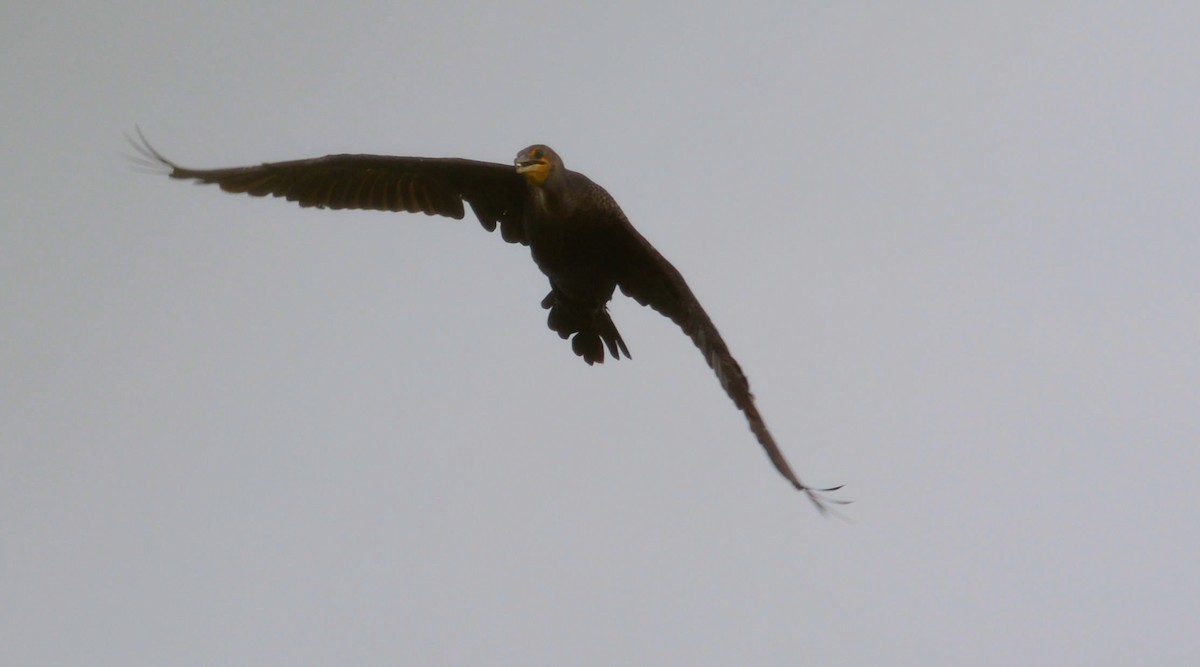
[{"x": 536, "y": 154}]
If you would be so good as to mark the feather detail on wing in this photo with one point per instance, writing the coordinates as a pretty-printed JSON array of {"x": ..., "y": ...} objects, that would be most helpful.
[
  {"x": 652, "y": 281},
  {"x": 434, "y": 186}
]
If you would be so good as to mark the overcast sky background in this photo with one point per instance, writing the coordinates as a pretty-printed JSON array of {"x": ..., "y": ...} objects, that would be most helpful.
[{"x": 954, "y": 248}]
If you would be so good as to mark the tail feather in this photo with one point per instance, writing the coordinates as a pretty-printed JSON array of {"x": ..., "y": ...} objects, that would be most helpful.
[{"x": 591, "y": 326}]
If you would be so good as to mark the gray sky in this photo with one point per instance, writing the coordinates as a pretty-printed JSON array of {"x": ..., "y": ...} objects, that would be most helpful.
[{"x": 955, "y": 250}]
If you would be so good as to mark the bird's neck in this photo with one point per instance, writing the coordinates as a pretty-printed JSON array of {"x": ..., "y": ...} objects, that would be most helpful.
[{"x": 550, "y": 199}]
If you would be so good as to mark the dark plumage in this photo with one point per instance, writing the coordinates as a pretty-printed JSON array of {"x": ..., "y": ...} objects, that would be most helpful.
[{"x": 577, "y": 234}]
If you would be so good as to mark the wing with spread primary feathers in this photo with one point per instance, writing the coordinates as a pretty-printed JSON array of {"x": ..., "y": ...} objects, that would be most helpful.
[
  {"x": 434, "y": 186},
  {"x": 651, "y": 280}
]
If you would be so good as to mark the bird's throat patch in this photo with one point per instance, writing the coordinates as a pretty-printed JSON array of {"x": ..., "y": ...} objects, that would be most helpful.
[{"x": 536, "y": 174}]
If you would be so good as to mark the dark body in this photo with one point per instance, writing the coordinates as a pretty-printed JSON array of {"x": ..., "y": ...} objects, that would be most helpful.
[
  {"x": 578, "y": 236},
  {"x": 572, "y": 242},
  {"x": 577, "y": 241}
]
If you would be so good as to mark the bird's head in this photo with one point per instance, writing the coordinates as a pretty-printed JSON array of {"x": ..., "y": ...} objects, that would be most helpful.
[{"x": 537, "y": 163}]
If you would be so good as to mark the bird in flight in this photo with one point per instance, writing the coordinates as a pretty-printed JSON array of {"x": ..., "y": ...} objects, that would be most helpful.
[{"x": 578, "y": 236}]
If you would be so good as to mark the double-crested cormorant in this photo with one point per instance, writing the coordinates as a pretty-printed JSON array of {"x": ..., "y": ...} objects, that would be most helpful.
[{"x": 577, "y": 234}]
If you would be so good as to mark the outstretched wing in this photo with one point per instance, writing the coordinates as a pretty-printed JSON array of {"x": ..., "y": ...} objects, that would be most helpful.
[
  {"x": 434, "y": 186},
  {"x": 652, "y": 281}
]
